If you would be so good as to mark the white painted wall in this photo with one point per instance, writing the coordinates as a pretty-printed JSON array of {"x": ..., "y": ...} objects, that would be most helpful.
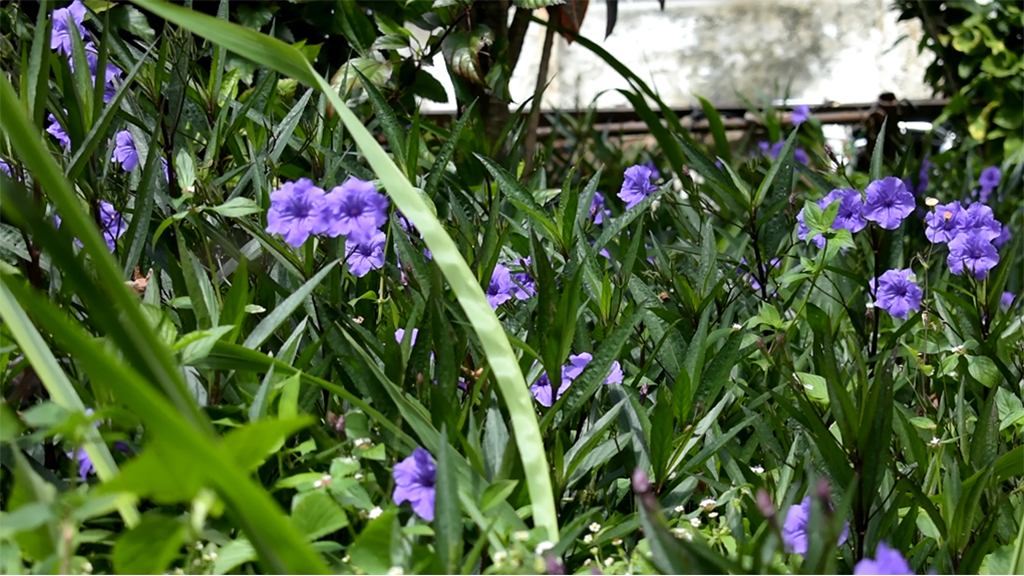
[{"x": 839, "y": 50}]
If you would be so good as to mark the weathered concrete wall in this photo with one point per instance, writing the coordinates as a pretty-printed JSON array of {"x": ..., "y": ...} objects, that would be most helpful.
[{"x": 840, "y": 50}]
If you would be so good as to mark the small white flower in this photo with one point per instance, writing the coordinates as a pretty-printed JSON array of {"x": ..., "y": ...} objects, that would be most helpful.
[
  {"x": 594, "y": 550},
  {"x": 617, "y": 542},
  {"x": 358, "y": 319},
  {"x": 359, "y": 476},
  {"x": 595, "y": 527},
  {"x": 958, "y": 349},
  {"x": 363, "y": 443},
  {"x": 931, "y": 201},
  {"x": 499, "y": 557},
  {"x": 206, "y": 557},
  {"x": 396, "y": 571},
  {"x": 588, "y": 539},
  {"x": 544, "y": 547},
  {"x": 757, "y": 469},
  {"x": 679, "y": 509},
  {"x": 737, "y": 327},
  {"x": 935, "y": 441},
  {"x": 188, "y": 190},
  {"x": 869, "y": 305},
  {"x": 213, "y": 556},
  {"x": 587, "y": 562},
  {"x": 323, "y": 481},
  {"x": 708, "y": 503},
  {"x": 712, "y": 514},
  {"x": 376, "y": 512},
  {"x": 199, "y": 545},
  {"x": 609, "y": 561},
  {"x": 522, "y": 535},
  {"x": 695, "y": 522},
  {"x": 197, "y": 562},
  {"x": 345, "y": 559},
  {"x": 86, "y": 567}
]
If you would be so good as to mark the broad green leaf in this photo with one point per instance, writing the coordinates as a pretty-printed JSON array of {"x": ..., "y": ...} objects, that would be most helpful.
[
  {"x": 317, "y": 514},
  {"x": 149, "y": 547}
]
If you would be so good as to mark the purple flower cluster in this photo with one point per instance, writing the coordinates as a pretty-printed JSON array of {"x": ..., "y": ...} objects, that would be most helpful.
[
  {"x": 801, "y": 114},
  {"x": 774, "y": 149},
  {"x": 63, "y": 20},
  {"x": 990, "y": 178},
  {"x": 415, "y": 478},
  {"x": 897, "y": 293},
  {"x": 354, "y": 210},
  {"x": 544, "y": 391},
  {"x": 111, "y": 221},
  {"x": 850, "y": 215},
  {"x": 636, "y": 185},
  {"x": 794, "y": 530},
  {"x": 973, "y": 235}
]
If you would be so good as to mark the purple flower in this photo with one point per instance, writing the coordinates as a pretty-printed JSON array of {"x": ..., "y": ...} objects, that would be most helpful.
[
  {"x": 499, "y": 289},
  {"x": 1002, "y": 239},
  {"x": 124, "y": 151},
  {"x": 888, "y": 202},
  {"x": 765, "y": 271},
  {"x": 6, "y": 169},
  {"x": 57, "y": 131},
  {"x": 365, "y": 255},
  {"x": 1006, "y": 300},
  {"x": 414, "y": 483},
  {"x": 597, "y": 209},
  {"x": 923, "y": 176},
  {"x": 801, "y": 114},
  {"x": 897, "y": 293},
  {"x": 973, "y": 251},
  {"x": 63, "y": 18},
  {"x": 400, "y": 335},
  {"x": 989, "y": 179},
  {"x": 979, "y": 219},
  {"x": 850, "y": 215},
  {"x": 543, "y": 393},
  {"x": 523, "y": 285},
  {"x": 655, "y": 175},
  {"x": 886, "y": 561},
  {"x": 113, "y": 224},
  {"x": 945, "y": 222},
  {"x": 615, "y": 376},
  {"x": 294, "y": 209},
  {"x": 637, "y": 185},
  {"x": 110, "y": 73},
  {"x": 85, "y": 466},
  {"x": 354, "y": 209},
  {"x": 799, "y": 155},
  {"x": 580, "y": 361},
  {"x": 794, "y": 530}
]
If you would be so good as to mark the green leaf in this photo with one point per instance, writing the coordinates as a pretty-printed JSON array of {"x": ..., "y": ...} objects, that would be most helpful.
[
  {"x": 496, "y": 493},
  {"x": 875, "y": 170},
  {"x": 984, "y": 370},
  {"x": 371, "y": 551},
  {"x": 236, "y": 553},
  {"x": 317, "y": 514},
  {"x": 271, "y": 322},
  {"x": 462, "y": 52},
  {"x": 251, "y": 444},
  {"x": 447, "y": 511},
  {"x": 149, "y": 547}
]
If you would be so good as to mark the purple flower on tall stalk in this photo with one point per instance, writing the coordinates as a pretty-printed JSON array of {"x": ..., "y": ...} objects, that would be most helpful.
[
  {"x": 637, "y": 185},
  {"x": 1006, "y": 300},
  {"x": 63, "y": 18},
  {"x": 523, "y": 285},
  {"x": 945, "y": 222},
  {"x": 110, "y": 74},
  {"x": 499, "y": 289},
  {"x": 414, "y": 483},
  {"x": 801, "y": 114},
  {"x": 597, "y": 209},
  {"x": 354, "y": 209},
  {"x": 57, "y": 131},
  {"x": 850, "y": 215},
  {"x": 888, "y": 202},
  {"x": 974, "y": 252},
  {"x": 294, "y": 209},
  {"x": 543, "y": 392},
  {"x": 124, "y": 151},
  {"x": 365, "y": 255},
  {"x": 794, "y": 530},
  {"x": 886, "y": 561},
  {"x": 897, "y": 293}
]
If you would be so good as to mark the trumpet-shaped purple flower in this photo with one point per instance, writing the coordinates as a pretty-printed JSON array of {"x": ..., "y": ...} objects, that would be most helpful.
[
  {"x": 63, "y": 19},
  {"x": 1006, "y": 300},
  {"x": 6, "y": 169},
  {"x": 897, "y": 293},
  {"x": 580, "y": 361},
  {"x": 365, "y": 255},
  {"x": 124, "y": 151},
  {"x": 544, "y": 393},
  {"x": 354, "y": 209},
  {"x": 850, "y": 215},
  {"x": 765, "y": 270},
  {"x": 615, "y": 375},
  {"x": 523, "y": 285},
  {"x": 636, "y": 186},
  {"x": 1003, "y": 238},
  {"x": 85, "y": 466},
  {"x": 499, "y": 289},
  {"x": 57, "y": 131},
  {"x": 799, "y": 154},
  {"x": 294, "y": 210},
  {"x": 655, "y": 174},
  {"x": 801, "y": 114},
  {"x": 415, "y": 478},
  {"x": 597, "y": 209},
  {"x": 400, "y": 335},
  {"x": 110, "y": 74},
  {"x": 886, "y": 561},
  {"x": 888, "y": 202},
  {"x": 979, "y": 219},
  {"x": 113, "y": 223},
  {"x": 794, "y": 530},
  {"x": 945, "y": 222},
  {"x": 972, "y": 251}
]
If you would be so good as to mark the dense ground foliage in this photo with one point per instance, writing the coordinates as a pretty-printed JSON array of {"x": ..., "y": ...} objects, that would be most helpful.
[{"x": 257, "y": 320}]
